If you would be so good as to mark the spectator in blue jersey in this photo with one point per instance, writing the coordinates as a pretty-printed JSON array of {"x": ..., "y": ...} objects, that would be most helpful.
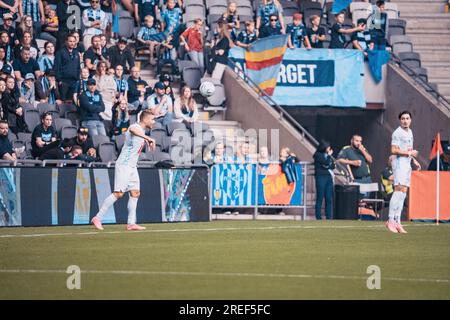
[
  {"x": 121, "y": 84},
  {"x": 8, "y": 27},
  {"x": 94, "y": 55},
  {"x": 297, "y": 33},
  {"x": 24, "y": 65},
  {"x": 121, "y": 116},
  {"x": 47, "y": 90},
  {"x": 67, "y": 68},
  {"x": 231, "y": 17},
  {"x": 272, "y": 29},
  {"x": 146, "y": 36},
  {"x": 338, "y": 32},
  {"x": 144, "y": 8},
  {"x": 27, "y": 91},
  {"x": 94, "y": 21},
  {"x": 6, "y": 45},
  {"x": 316, "y": 33},
  {"x": 120, "y": 55},
  {"x": 265, "y": 10},
  {"x": 171, "y": 18},
  {"x": 34, "y": 9},
  {"x": 323, "y": 173},
  {"x": 47, "y": 60},
  {"x": 137, "y": 87},
  {"x": 160, "y": 104},
  {"x": 362, "y": 40},
  {"x": 81, "y": 85},
  {"x": 91, "y": 105},
  {"x": 247, "y": 36},
  {"x": 167, "y": 55}
]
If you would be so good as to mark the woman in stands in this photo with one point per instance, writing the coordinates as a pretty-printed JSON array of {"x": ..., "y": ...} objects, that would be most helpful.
[
  {"x": 232, "y": 18},
  {"x": 25, "y": 25},
  {"x": 106, "y": 86},
  {"x": 47, "y": 60},
  {"x": 121, "y": 116},
  {"x": 185, "y": 107},
  {"x": 10, "y": 101},
  {"x": 265, "y": 10},
  {"x": 220, "y": 51}
]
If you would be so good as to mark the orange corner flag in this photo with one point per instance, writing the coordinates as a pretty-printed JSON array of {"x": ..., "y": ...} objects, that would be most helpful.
[{"x": 437, "y": 147}]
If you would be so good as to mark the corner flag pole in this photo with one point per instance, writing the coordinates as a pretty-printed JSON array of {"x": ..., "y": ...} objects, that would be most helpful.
[{"x": 438, "y": 193}]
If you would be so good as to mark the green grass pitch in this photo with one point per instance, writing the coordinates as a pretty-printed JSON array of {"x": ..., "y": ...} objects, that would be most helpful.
[{"x": 227, "y": 260}]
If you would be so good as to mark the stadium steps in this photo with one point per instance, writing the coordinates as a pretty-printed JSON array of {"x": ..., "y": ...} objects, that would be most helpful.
[{"x": 436, "y": 6}]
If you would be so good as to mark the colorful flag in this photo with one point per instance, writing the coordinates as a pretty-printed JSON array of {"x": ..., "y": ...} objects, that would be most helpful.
[
  {"x": 437, "y": 147},
  {"x": 339, "y": 5},
  {"x": 115, "y": 13},
  {"x": 263, "y": 60}
]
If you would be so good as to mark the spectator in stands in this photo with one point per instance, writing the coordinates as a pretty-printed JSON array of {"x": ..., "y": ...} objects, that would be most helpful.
[
  {"x": 34, "y": 9},
  {"x": 78, "y": 45},
  {"x": 121, "y": 55},
  {"x": 323, "y": 166},
  {"x": 160, "y": 104},
  {"x": 358, "y": 158},
  {"x": 94, "y": 55},
  {"x": 288, "y": 159},
  {"x": 231, "y": 17},
  {"x": 185, "y": 107},
  {"x": 247, "y": 36},
  {"x": 43, "y": 137},
  {"x": 171, "y": 18},
  {"x": 7, "y": 70},
  {"x": 3, "y": 109},
  {"x": 10, "y": 101},
  {"x": 85, "y": 142},
  {"x": 265, "y": 10},
  {"x": 271, "y": 29},
  {"x": 387, "y": 179},
  {"x": 81, "y": 85},
  {"x": 147, "y": 36},
  {"x": 167, "y": 55},
  {"x": 220, "y": 51},
  {"x": 5, "y": 43},
  {"x": 27, "y": 42},
  {"x": 121, "y": 116},
  {"x": 91, "y": 105},
  {"x": 8, "y": 27},
  {"x": 144, "y": 8},
  {"x": 166, "y": 80},
  {"x": 47, "y": 60},
  {"x": 444, "y": 160},
  {"x": 121, "y": 84},
  {"x": 63, "y": 13},
  {"x": 362, "y": 40},
  {"x": 297, "y": 33},
  {"x": 338, "y": 32},
  {"x": 193, "y": 43},
  {"x": 47, "y": 90},
  {"x": 243, "y": 153},
  {"x": 27, "y": 91},
  {"x": 107, "y": 6},
  {"x": 24, "y": 65},
  {"x": 106, "y": 87},
  {"x": 59, "y": 151},
  {"x": 217, "y": 155},
  {"x": 316, "y": 33},
  {"x": 137, "y": 88},
  {"x": 94, "y": 21},
  {"x": 50, "y": 27},
  {"x": 25, "y": 25},
  {"x": 379, "y": 27},
  {"x": 263, "y": 156},
  {"x": 67, "y": 68},
  {"x": 3, "y": 61},
  {"x": 6, "y": 148},
  {"x": 76, "y": 153}
]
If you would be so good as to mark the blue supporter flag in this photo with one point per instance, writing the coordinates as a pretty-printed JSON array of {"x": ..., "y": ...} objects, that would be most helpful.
[
  {"x": 115, "y": 13},
  {"x": 339, "y": 5},
  {"x": 377, "y": 58}
]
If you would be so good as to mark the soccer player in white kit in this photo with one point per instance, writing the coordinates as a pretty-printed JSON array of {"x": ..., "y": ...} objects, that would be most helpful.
[
  {"x": 126, "y": 177},
  {"x": 404, "y": 154}
]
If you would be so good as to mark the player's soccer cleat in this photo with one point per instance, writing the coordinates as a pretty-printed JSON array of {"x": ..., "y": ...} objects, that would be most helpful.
[
  {"x": 391, "y": 226},
  {"x": 97, "y": 223},
  {"x": 400, "y": 229},
  {"x": 134, "y": 227}
]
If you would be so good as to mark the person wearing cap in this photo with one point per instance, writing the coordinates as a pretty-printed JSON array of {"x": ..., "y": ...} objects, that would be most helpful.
[
  {"x": 47, "y": 90},
  {"x": 248, "y": 36},
  {"x": 7, "y": 70},
  {"x": 91, "y": 105},
  {"x": 83, "y": 140},
  {"x": 166, "y": 80},
  {"x": 137, "y": 87},
  {"x": 120, "y": 55},
  {"x": 27, "y": 91},
  {"x": 94, "y": 21},
  {"x": 444, "y": 159},
  {"x": 161, "y": 104},
  {"x": 7, "y": 26},
  {"x": 25, "y": 65},
  {"x": 297, "y": 33}
]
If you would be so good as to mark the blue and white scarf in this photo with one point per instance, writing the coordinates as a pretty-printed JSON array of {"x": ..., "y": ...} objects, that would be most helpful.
[{"x": 31, "y": 8}]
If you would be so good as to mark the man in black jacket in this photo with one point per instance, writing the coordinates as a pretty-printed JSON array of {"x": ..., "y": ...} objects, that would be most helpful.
[
  {"x": 67, "y": 68},
  {"x": 91, "y": 105},
  {"x": 121, "y": 55}
]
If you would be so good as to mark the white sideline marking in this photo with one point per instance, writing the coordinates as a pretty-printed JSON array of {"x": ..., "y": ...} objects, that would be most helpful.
[
  {"x": 195, "y": 230},
  {"x": 223, "y": 274}
]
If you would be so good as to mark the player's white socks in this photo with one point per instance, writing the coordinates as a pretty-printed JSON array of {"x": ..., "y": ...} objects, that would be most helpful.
[
  {"x": 396, "y": 206},
  {"x": 106, "y": 205},
  {"x": 132, "y": 204}
]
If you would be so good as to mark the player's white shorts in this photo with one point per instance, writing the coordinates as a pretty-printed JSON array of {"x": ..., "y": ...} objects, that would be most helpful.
[
  {"x": 126, "y": 178},
  {"x": 402, "y": 174}
]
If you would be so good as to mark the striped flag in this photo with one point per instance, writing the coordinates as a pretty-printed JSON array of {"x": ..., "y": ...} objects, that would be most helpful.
[
  {"x": 115, "y": 13},
  {"x": 263, "y": 60}
]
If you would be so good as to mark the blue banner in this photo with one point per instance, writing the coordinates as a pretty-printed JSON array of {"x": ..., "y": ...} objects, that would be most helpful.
[
  {"x": 234, "y": 185},
  {"x": 321, "y": 77}
]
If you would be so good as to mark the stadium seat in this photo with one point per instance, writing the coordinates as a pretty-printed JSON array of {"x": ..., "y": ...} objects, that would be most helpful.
[
  {"x": 99, "y": 139},
  {"x": 391, "y": 10},
  {"x": 45, "y": 107},
  {"x": 396, "y": 27},
  {"x": 211, "y": 19},
  {"x": 24, "y": 136},
  {"x": 161, "y": 156},
  {"x": 66, "y": 107},
  {"x": 187, "y": 3},
  {"x": 68, "y": 132},
  {"x": 32, "y": 118},
  {"x": 192, "y": 76},
  {"x": 73, "y": 116},
  {"x": 171, "y": 126},
  {"x": 27, "y": 106},
  {"x": 185, "y": 63},
  {"x": 159, "y": 135},
  {"x": 360, "y": 14},
  {"x": 198, "y": 127},
  {"x": 59, "y": 123},
  {"x": 422, "y": 73},
  {"x": 182, "y": 138},
  {"x": 107, "y": 151},
  {"x": 208, "y": 137},
  {"x": 401, "y": 44},
  {"x": 309, "y": 4},
  {"x": 244, "y": 11},
  {"x": 212, "y": 3},
  {"x": 196, "y": 10},
  {"x": 218, "y": 9},
  {"x": 411, "y": 59},
  {"x": 119, "y": 140},
  {"x": 219, "y": 97},
  {"x": 360, "y": 6},
  {"x": 20, "y": 148},
  {"x": 289, "y": 5},
  {"x": 289, "y": 12},
  {"x": 11, "y": 136}
]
